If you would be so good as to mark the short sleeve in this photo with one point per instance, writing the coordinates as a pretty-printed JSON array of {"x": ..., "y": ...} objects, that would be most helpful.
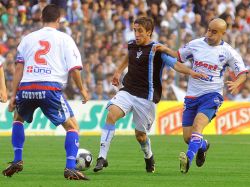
[
  {"x": 20, "y": 49},
  {"x": 168, "y": 60},
  {"x": 72, "y": 55},
  {"x": 236, "y": 63},
  {"x": 185, "y": 53}
]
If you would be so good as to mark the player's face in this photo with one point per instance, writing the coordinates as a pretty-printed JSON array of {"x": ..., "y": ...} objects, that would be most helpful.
[
  {"x": 214, "y": 35},
  {"x": 142, "y": 37}
]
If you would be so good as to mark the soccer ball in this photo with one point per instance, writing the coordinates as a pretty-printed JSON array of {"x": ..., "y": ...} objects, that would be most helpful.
[{"x": 83, "y": 159}]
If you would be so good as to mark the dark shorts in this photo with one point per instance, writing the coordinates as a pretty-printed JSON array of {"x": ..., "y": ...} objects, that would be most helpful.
[
  {"x": 207, "y": 104},
  {"x": 46, "y": 95}
]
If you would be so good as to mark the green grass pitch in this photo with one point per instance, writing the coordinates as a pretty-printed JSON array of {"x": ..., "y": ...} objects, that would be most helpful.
[{"x": 227, "y": 164}]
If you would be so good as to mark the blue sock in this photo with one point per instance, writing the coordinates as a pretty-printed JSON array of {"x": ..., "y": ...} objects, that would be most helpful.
[
  {"x": 18, "y": 138},
  {"x": 203, "y": 145},
  {"x": 71, "y": 147},
  {"x": 193, "y": 146}
]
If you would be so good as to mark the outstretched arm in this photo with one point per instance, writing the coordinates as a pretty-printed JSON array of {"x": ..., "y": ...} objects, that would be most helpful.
[
  {"x": 234, "y": 85},
  {"x": 3, "y": 91},
  {"x": 76, "y": 75},
  {"x": 184, "y": 69},
  {"x": 118, "y": 72}
]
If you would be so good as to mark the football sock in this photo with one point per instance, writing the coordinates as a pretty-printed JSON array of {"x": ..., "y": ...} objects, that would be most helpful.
[
  {"x": 193, "y": 146},
  {"x": 18, "y": 138},
  {"x": 146, "y": 148},
  {"x": 203, "y": 145},
  {"x": 71, "y": 147},
  {"x": 108, "y": 132}
]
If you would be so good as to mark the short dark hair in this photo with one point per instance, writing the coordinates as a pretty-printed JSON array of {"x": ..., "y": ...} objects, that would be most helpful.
[
  {"x": 50, "y": 13},
  {"x": 146, "y": 22}
]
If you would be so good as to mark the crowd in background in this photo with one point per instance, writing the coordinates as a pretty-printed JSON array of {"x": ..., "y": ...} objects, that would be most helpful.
[{"x": 101, "y": 30}]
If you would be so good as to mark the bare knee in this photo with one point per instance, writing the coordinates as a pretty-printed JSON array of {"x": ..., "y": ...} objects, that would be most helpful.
[
  {"x": 111, "y": 118},
  {"x": 140, "y": 136}
]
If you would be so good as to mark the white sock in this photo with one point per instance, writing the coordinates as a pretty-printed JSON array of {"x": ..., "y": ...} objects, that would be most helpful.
[
  {"x": 146, "y": 148},
  {"x": 108, "y": 133}
]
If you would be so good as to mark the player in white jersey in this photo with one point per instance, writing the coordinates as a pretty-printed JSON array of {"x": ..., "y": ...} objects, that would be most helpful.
[
  {"x": 3, "y": 91},
  {"x": 209, "y": 55},
  {"x": 44, "y": 60}
]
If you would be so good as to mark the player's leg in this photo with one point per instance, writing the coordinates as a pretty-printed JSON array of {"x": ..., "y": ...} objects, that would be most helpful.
[
  {"x": 24, "y": 112},
  {"x": 107, "y": 135},
  {"x": 71, "y": 148},
  {"x": 143, "y": 117},
  {"x": 196, "y": 141},
  {"x": 18, "y": 138},
  {"x": 210, "y": 104},
  {"x": 188, "y": 116},
  {"x": 117, "y": 107},
  {"x": 145, "y": 144}
]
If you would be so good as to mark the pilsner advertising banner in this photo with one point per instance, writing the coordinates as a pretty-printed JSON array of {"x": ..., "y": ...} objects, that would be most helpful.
[
  {"x": 91, "y": 117},
  {"x": 232, "y": 118}
]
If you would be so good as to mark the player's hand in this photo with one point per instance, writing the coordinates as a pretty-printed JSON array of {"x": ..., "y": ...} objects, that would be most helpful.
[
  {"x": 233, "y": 87},
  {"x": 3, "y": 97},
  {"x": 160, "y": 47},
  {"x": 197, "y": 75},
  {"x": 85, "y": 96},
  {"x": 12, "y": 104},
  {"x": 116, "y": 79}
]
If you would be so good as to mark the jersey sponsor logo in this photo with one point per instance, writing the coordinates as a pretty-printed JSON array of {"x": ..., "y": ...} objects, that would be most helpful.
[
  {"x": 138, "y": 54},
  {"x": 233, "y": 120},
  {"x": 33, "y": 95},
  {"x": 38, "y": 70},
  {"x": 205, "y": 65}
]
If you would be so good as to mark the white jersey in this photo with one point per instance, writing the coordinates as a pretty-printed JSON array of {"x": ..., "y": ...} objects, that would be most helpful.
[
  {"x": 48, "y": 55},
  {"x": 212, "y": 61}
]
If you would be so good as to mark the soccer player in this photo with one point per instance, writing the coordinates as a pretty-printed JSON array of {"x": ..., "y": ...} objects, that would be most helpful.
[
  {"x": 142, "y": 89},
  {"x": 44, "y": 60},
  {"x": 3, "y": 92},
  {"x": 210, "y": 55}
]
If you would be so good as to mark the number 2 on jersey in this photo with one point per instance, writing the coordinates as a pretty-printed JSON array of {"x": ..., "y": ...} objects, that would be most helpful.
[{"x": 38, "y": 55}]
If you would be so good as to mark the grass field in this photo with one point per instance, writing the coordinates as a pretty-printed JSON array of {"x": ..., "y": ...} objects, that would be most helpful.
[{"x": 227, "y": 164}]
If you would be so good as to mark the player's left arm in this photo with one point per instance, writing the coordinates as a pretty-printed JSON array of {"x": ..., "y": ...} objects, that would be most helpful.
[
  {"x": 236, "y": 63},
  {"x": 177, "y": 66}
]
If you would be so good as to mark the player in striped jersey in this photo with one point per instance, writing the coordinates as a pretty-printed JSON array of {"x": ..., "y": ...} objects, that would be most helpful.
[{"x": 141, "y": 90}]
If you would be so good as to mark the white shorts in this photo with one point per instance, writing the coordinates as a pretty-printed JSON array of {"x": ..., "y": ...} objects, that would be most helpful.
[{"x": 142, "y": 109}]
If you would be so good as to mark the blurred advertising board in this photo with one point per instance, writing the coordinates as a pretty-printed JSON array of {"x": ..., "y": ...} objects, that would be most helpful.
[{"x": 232, "y": 118}]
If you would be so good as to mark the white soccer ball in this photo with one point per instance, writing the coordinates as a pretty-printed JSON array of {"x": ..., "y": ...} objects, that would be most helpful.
[{"x": 83, "y": 159}]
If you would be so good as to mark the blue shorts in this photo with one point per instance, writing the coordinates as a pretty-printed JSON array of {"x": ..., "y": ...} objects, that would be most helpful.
[
  {"x": 207, "y": 104},
  {"x": 46, "y": 95}
]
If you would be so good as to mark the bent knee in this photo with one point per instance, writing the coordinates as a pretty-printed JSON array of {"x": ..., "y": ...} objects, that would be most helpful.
[
  {"x": 112, "y": 117},
  {"x": 141, "y": 136}
]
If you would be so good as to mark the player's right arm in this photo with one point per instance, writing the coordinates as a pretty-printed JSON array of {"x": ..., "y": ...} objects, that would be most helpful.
[
  {"x": 74, "y": 66},
  {"x": 3, "y": 91},
  {"x": 16, "y": 81},
  {"x": 164, "y": 49},
  {"x": 119, "y": 70}
]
